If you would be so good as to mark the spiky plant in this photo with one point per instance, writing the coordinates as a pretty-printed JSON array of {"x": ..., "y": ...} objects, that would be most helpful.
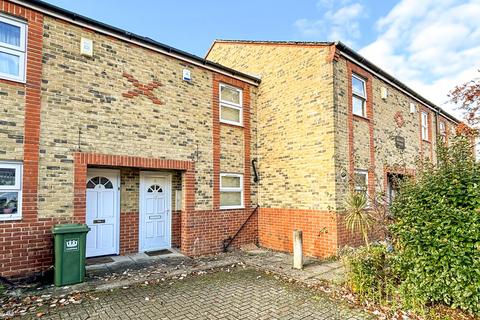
[{"x": 357, "y": 216}]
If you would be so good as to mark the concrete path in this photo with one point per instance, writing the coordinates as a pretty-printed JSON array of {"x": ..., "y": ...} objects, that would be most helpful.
[{"x": 315, "y": 271}]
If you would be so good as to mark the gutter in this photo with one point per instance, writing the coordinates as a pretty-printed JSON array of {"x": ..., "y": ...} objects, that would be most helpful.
[
  {"x": 372, "y": 68},
  {"x": 126, "y": 36}
]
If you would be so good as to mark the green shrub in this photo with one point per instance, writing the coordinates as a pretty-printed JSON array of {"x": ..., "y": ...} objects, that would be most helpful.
[
  {"x": 370, "y": 272},
  {"x": 437, "y": 232}
]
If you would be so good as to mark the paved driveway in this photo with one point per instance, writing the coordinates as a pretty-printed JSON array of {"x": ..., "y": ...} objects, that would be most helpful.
[{"x": 240, "y": 294}]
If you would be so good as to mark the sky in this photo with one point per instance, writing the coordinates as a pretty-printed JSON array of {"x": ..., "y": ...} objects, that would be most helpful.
[{"x": 430, "y": 45}]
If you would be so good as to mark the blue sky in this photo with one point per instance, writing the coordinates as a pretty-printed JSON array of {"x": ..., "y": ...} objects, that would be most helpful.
[
  {"x": 431, "y": 45},
  {"x": 193, "y": 25}
]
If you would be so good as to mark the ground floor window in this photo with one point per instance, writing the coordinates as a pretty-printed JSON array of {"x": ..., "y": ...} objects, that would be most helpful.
[
  {"x": 393, "y": 186},
  {"x": 231, "y": 191},
  {"x": 361, "y": 181},
  {"x": 10, "y": 190}
]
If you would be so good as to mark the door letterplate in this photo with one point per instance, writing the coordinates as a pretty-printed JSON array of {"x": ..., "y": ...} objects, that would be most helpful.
[{"x": 99, "y": 221}]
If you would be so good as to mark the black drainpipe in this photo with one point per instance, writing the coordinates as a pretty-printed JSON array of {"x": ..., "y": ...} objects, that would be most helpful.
[{"x": 254, "y": 165}]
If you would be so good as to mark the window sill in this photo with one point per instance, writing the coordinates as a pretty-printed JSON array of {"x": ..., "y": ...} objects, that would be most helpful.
[
  {"x": 230, "y": 123},
  {"x": 10, "y": 219},
  {"x": 232, "y": 208},
  {"x": 12, "y": 82},
  {"x": 362, "y": 118}
]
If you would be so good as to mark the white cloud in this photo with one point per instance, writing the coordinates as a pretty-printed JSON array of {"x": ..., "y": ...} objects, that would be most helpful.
[
  {"x": 339, "y": 22},
  {"x": 431, "y": 45}
]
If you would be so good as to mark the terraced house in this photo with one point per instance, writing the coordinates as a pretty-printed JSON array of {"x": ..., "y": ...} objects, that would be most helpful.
[{"x": 155, "y": 148}]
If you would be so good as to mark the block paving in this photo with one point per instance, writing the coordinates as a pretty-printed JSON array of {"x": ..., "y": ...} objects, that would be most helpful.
[{"x": 237, "y": 294}]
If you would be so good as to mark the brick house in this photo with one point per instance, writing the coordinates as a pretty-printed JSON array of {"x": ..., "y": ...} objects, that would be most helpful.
[
  {"x": 154, "y": 148},
  {"x": 328, "y": 120}
]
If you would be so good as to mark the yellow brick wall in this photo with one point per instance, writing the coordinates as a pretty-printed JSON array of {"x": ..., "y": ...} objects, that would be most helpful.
[
  {"x": 12, "y": 115},
  {"x": 295, "y": 121},
  {"x": 385, "y": 131},
  {"x": 231, "y": 149},
  {"x": 83, "y": 109}
]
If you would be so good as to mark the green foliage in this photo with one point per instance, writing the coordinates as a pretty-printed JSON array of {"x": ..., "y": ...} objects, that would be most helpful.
[
  {"x": 370, "y": 273},
  {"x": 437, "y": 232},
  {"x": 358, "y": 218}
]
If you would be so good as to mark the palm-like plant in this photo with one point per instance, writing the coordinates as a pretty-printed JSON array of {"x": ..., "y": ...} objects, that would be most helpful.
[{"x": 357, "y": 216}]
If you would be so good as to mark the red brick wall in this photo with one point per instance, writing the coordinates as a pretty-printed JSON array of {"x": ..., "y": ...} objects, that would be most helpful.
[
  {"x": 177, "y": 229},
  {"x": 207, "y": 230},
  {"x": 276, "y": 226},
  {"x": 129, "y": 232},
  {"x": 25, "y": 246}
]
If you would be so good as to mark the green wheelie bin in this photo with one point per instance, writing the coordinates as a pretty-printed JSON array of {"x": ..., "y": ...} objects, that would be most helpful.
[{"x": 69, "y": 251}]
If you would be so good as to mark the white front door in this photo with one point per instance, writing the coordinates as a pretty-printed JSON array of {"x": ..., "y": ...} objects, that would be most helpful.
[
  {"x": 102, "y": 212},
  {"x": 155, "y": 211}
]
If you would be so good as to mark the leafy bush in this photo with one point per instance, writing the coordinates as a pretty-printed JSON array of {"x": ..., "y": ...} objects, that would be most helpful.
[
  {"x": 437, "y": 232},
  {"x": 370, "y": 272}
]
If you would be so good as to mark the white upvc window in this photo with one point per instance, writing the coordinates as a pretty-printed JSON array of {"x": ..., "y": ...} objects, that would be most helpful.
[
  {"x": 10, "y": 190},
  {"x": 231, "y": 191},
  {"x": 361, "y": 181},
  {"x": 359, "y": 96},
  {"x": 424, "y": 126},
  {"x": 443, "y": 132},
  {"x": 231, "y": 110},
  {"x": 13, "y": 41}
]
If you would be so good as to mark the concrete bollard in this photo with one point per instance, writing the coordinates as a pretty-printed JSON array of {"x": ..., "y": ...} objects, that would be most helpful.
[{"x": 297, "y": 249}]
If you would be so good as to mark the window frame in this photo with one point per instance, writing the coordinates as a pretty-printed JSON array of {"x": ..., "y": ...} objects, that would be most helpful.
[
  {"x": 424, "y": 126},
  {"x": 231, "y": 105},
  {"x": 442, "y": 127},
  {"x": 363, "y": 172},
  {"x": 15, "y": 188},
  {"x": 360, "y": 97},
  {"x": 232, "y": 190},
  {"x": 19, "y": 51}
]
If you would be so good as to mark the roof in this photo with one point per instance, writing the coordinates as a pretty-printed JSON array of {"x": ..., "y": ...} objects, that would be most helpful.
[
  {"x": 104, "y": 28},
  {"x": 356, "y": 58}
]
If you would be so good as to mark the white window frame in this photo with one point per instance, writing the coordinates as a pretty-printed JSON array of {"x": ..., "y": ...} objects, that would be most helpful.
[
  {"x": 231, "y": 105},
  {"x": 358, "y": 96},
  {"x": 15, "y": 188},
  {"x": 362, "y": 172},
  {"x": 232, "y": 189},
  {"x": 424, "y": 127},
  {"x": 19, "y": 51},
  {"x": 443, "y": 131}
]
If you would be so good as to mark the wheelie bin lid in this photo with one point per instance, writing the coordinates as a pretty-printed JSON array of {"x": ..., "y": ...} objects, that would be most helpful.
[{"x": 70, "y": 228}]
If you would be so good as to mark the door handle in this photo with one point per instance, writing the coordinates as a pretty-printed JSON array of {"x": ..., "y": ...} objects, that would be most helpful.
[{"x": 99, "y": 221}]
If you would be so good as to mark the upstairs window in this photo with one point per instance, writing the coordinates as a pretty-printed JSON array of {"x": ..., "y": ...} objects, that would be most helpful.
[
  {"x": 231, "y": 191},
  {"x": 359, "y": 96},
  {"x": 424, "y": 126},
  {"x": 443, "y": 132},
  {"x": 10, "y": 191},
  {"x": 230, "y": 105},
  {"x": 12, "y": 49}
]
